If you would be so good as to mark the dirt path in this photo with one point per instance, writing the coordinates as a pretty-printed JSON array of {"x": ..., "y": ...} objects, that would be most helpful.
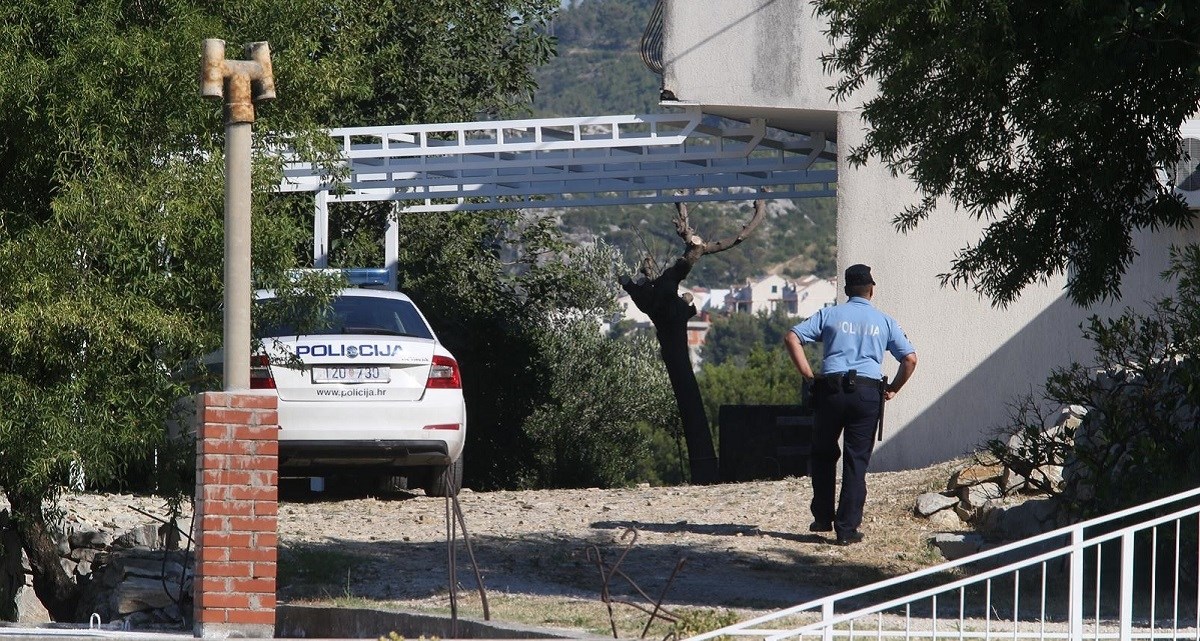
[{"x": 745, "y": 546}]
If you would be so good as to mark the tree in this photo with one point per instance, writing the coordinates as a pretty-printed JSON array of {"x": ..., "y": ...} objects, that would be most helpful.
[
  {"x": 603, "y": 392},
  {"x": 110, "y": 197},
  {"x": 516, "y": 304},
  {"x": 732, "y": 338},
  {"x": 767, "y": 377},
  {"x": 1048, "y": 121},
  {"x": 1139, "y": 439},
  {"x": 657, "y": 296}
]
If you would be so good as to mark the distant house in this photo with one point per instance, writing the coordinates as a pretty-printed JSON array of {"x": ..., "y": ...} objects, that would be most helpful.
[
  {"x": 813, "y": 293},
  {"x": 802, "y": 297}
]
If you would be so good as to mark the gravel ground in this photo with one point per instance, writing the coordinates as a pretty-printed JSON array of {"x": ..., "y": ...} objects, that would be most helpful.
[{"x": 744, "y": 546}]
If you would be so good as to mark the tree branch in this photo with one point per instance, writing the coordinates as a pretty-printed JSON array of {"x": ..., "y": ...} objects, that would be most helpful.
[{"x": 747, "y": 229}]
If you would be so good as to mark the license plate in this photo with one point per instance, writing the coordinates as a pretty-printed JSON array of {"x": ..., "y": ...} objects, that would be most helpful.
[{"x": 351, "y": 374}]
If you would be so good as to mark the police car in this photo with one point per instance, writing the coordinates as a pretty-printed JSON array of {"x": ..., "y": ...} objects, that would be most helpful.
[{"x": 370, "y": 392}]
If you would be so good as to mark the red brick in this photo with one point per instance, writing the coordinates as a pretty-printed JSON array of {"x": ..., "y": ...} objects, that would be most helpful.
[
  {"x": 261, "y": 617},
  {"x": 228, "y": 416},
  {"x": 267, "y": 448},
  {"x": 266, "y": 539},
  {"x": 254, "y": 493},
  {"x": 215, "y": 584},
  {"x": 212, "y": 554},
  {"x": 214, "y": 431},
  {"x": 255, "y": 401},
  {"x": 253, "y": 524},
  {"x": 235, "y": 462},
  {"x": 256, "y": 555},
  {"x": 234, "y": 600},
  {"x": 252, "y": 432},
  {"x": 263, "y": 477},
  {"x": 215, "y": 399},
  {"x": 266, "y": 509},
  {"x": 226, "y": 540},
  {"x": 263, "y": 601},
  {"x": 256, "y": 585},
  {"x": 268, "y": 418},
  {"x": 227, "y": 569},
  {"x": 230, "y": 508},
  {"x": 213, "y": 493},
  {"x": 265, "y": 570},
  {"x": 229, "y": 446},
  {"x": 225, "y": 477},
  {"x": 213, "y": 615},
  {"x": 214, "y": 523}
]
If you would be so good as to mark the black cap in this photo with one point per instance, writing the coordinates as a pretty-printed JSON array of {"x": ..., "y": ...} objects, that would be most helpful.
[{"x": 858, "y": 275}]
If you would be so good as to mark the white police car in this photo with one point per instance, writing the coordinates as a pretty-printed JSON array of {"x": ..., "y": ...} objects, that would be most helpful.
[{"x": 371, "y": 392}]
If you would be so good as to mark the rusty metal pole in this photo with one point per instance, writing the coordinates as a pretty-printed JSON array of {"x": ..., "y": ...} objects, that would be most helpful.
[{"x": 241, "y": 83}]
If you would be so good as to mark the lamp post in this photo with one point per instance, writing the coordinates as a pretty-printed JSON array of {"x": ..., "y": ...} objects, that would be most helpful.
[{"x": 241, "y": 83}]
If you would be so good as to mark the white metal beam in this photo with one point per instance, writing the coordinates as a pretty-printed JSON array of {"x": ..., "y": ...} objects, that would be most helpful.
[{"x": 558, "y": 162}]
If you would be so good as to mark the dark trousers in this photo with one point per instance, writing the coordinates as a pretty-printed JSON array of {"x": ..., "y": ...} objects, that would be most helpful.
[{"x": 852, "y": 415}]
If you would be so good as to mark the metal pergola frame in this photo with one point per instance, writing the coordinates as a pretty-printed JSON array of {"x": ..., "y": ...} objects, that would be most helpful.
[{"x": 559, "y": 162}]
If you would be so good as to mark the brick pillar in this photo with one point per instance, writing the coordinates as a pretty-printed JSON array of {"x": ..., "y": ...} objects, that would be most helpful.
[{"x": 237, "y": 482}]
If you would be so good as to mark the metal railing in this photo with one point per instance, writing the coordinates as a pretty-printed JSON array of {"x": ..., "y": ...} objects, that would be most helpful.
[
  {"x": 1132, "y": 574},
  {"x": 652, "y": 40}
]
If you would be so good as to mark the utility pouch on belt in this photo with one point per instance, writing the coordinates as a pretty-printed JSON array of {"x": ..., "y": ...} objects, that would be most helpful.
[{"x": 850, "y": 380}]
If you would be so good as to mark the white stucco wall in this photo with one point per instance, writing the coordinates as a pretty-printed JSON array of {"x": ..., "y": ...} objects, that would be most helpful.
[
  {"x": 759, "y": 58},
  {"x": 974, "y": 359},
  {"x": 748, "y": 58}
]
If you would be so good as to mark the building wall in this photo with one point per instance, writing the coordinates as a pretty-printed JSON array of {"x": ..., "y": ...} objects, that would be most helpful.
[
  {"x": 759, "y": 58},
  {"x": 814, "y": 296}
]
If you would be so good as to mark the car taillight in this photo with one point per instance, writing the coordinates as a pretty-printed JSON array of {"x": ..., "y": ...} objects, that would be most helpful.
[
  {"x": 260, "y": 372},
  {"x": 444, "y": 374}
]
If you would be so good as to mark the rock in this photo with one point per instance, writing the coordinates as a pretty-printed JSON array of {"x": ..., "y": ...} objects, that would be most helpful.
[
  {"x": 974, "y": 475},
  {"x": 68, "y": 564},
  {"x": 144, "y": 593},
  {"x": 144, "y": 536},
  {"x": 973, "y": 497},
  {"x": 1012, "y": 482},
  {"x": 1024, "y": 520},
  {"x": 946, "y": 520},
  {"x": 94, "y": 539},
  {"x": 965, "y": 513},
  {"x": 1051, "y": 475},
  {"x": 931, "y": 502},
  {"x": 956, "y": 546},
  {"x": 83, "y": 554},
  {"x": 146, "y": 563},
  {"x": 30, "y": 610}
]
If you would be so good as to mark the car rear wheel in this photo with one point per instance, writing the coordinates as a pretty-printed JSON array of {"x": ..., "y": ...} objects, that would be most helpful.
[
  {"x": 393, "y": 484},
  {"x": 445, "y": 481}
]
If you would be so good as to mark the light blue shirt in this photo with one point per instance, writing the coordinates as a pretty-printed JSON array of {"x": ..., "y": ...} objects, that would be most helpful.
[{"x": 854, "y": 334}]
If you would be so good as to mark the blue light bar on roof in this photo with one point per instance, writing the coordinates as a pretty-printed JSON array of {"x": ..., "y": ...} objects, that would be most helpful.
[{"x": 368, "y": 277}]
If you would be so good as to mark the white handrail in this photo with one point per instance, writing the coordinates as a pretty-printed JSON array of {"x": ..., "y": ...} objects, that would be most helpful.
[{"x": 1073, "y": 546}]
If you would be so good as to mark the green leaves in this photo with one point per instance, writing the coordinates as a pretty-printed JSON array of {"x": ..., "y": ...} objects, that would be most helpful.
[
  {"x": 1139, "y": 438},
  {"x": 111, "y": 226},
  {"x": 1048, "y": 121}
]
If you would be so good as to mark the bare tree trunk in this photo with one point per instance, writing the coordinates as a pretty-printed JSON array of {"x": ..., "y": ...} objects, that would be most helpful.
[
  {"x": 51, "y": 582},
  {"x": 658, "y": 297}
]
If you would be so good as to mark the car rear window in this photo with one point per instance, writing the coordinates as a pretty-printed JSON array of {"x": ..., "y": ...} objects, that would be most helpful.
[{"x": 348, "y": 315}]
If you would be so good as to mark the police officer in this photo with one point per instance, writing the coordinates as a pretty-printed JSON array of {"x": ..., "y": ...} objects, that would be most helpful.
[{"x": 848, "y": 397}]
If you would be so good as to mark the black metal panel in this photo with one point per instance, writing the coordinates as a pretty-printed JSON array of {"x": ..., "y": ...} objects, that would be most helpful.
[{"x": 764, "y": 442}]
